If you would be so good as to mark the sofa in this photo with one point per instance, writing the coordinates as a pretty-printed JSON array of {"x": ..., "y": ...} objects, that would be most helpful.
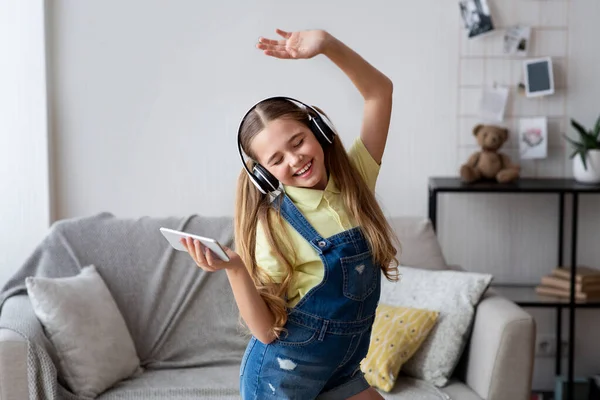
[{"x": 185, "y": 324}]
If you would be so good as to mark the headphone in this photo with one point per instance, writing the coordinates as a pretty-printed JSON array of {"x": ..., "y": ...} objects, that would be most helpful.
[{"x": 320, "y": 126}]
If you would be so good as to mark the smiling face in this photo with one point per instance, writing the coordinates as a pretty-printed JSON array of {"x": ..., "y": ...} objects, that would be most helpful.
[{"x": 291, "y": 153}]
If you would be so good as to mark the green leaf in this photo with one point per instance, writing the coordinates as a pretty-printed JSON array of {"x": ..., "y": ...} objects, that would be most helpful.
[
  {"x": 579, "y": 128},
  {"x": 589, "y": 141},
  {"x": 582, "y": 155},
  {"x": 575, "y": 144},
  {"x": 574, "y": 153}
]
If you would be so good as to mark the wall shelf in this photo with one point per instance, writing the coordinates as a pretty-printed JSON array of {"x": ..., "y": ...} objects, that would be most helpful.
[{"x": 524, "y": 295}]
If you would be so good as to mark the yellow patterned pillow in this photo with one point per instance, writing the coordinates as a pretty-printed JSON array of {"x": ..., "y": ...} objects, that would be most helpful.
[{"x": 397, "y": 334}]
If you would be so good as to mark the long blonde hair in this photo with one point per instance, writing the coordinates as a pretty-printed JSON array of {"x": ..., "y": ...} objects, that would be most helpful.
[{"x": 252, "y": 207}]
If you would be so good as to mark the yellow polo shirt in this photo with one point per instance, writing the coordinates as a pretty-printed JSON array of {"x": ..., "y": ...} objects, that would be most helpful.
[{"x": 325, "y": 211}]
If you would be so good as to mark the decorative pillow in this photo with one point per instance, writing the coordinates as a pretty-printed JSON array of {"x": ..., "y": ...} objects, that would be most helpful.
[
  {"x": 397, "y": 334},
  {"x": 455, "y": 295},
  {"x": 419, "y": 245},
  {"x": 81, "y": 319}
]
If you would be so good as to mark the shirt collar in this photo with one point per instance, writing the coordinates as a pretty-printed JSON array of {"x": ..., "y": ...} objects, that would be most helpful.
[{"x": 310, "y": 198}]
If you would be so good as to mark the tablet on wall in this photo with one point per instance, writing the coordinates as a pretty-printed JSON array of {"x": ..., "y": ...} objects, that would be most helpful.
[{"x": 539, "y": 78}]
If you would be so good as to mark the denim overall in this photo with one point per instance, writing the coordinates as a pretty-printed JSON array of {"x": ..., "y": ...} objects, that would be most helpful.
[{"x": 328, "y": 331}]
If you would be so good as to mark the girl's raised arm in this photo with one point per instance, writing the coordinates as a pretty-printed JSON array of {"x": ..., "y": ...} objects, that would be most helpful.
[{"x": 374, "y": 86}]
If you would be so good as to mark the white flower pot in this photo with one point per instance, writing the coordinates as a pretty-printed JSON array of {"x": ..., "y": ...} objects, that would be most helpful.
[{"x": 592, "y": 173}]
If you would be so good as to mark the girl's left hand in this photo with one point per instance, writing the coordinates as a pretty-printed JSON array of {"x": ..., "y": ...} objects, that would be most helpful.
[{"x": 297, "y": 45}]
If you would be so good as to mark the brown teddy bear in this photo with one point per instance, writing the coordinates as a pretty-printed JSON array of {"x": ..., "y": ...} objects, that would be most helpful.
[{"x": 489, "y": 163}]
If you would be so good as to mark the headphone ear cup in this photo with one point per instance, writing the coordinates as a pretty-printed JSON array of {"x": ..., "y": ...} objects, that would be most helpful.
[
  {"x": 322, "y": 130},
  {"x": 263, "y": 178}
]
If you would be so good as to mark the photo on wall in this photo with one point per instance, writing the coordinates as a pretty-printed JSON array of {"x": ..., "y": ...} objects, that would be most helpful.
[
  {"x": 516, "y": 40},
  {"x": 539, "y": 77},
  {"x": 493, "y": 103},
  {"x": 533, "y": 138},
  {"x": 476, "y": 16}
]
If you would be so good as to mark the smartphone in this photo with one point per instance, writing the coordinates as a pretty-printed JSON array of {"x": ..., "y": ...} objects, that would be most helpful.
[{"x": 174, "y": 236}]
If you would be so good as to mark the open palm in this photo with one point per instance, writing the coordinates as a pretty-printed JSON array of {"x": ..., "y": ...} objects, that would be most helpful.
[{"x": 296, "y": 45}]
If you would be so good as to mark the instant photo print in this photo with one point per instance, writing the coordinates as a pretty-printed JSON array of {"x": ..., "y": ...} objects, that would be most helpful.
[
  {"x": 533, "y": 138},
  {"x": 476, "y": 17},
  {"x": 539, "y": 78},
  {"x": 516, "y": 40}
]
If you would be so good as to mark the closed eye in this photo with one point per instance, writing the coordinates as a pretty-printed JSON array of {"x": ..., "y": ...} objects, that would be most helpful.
[{"x": 297, "y": 144}]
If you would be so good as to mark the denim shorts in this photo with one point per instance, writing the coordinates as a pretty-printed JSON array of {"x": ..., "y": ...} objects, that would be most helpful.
[{"x": 306, "y": 364}]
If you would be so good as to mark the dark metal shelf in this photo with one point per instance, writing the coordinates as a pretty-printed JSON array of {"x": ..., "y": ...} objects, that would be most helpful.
[
  {"x": 525, "y": 296},
  {"x": 522, "y": 185}
]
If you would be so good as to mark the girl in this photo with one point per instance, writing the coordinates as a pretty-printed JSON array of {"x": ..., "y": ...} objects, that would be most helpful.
[{"x": 307, "y": 279}]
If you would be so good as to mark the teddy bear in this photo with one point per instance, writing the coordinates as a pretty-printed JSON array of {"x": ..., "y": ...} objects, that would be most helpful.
[{"x": 489, "y": 163}]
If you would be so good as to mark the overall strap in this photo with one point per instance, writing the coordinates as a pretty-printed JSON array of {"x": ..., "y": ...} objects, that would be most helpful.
[{"x": 295, "y": 218}]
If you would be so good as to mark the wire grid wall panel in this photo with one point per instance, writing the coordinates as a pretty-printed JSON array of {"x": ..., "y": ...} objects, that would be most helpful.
[{"x": 483, "y": 63}]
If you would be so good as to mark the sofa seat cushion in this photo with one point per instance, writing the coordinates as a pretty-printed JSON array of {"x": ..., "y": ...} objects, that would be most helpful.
[
  {"x": 459, "y": 390},
  {"x": 214, "y": 382},
  {"x": 408, "y": 388},
  {"x": 222, "y": 382}
]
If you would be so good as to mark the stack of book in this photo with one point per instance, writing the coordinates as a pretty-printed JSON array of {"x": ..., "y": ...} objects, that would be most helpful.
[{"x": 558, "y": 283}]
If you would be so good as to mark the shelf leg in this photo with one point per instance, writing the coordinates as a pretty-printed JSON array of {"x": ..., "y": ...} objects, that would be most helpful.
[
  {"x": 558, "y": 360},
  {"x": 561, "y": 228},
  {"x": 570, "y": 385},
  {"x": 433, "y": 208},
  {"x": 560, "y": 263}
]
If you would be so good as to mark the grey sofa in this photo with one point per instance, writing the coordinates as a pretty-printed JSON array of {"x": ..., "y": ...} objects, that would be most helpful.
[{"x": 190, "y": 342}]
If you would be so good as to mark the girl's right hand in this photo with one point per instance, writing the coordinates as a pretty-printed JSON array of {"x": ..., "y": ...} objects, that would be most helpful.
[{"x": 207, "y": 260}]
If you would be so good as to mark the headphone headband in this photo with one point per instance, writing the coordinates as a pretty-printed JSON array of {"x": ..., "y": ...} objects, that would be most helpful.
[{"x": 319, "y": 125}]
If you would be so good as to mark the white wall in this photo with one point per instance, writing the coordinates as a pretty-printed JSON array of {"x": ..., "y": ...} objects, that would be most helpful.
[
  {"x": 24, "y": 189},
  {"x": 146, "y": 97}
]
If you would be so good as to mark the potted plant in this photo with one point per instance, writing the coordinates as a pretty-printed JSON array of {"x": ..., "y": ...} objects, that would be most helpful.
[{"x": 586, "y": 167}]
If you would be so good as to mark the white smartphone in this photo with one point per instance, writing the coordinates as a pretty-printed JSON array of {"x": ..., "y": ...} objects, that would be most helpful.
[{"x": 174, "y": 236}]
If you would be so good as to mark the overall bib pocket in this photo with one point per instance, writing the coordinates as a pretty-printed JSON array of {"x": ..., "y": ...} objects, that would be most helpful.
[{"x": 360, "y": 276}]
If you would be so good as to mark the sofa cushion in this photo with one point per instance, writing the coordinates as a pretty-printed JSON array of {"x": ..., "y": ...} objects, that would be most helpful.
[
  {"x": 408, "y": 388},
  {"x": 418, "y": 241},
  {"x": 397, "y": 334},
  {"x": 412, "y": 389},
  {"x": 222, "y": 382},
  {"x": 455, "y": 295},
  {"x": 459, "y": 390},
  {"x": 208, "y": 383},
  {"x": 93, "y": 345}
]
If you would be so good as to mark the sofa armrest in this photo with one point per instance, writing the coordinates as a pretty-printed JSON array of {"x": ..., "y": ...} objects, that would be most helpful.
[
  {"x": 19, "y": 329},
  {"x": 500, "y": 354},
  {"x": 13, "y": 366}
]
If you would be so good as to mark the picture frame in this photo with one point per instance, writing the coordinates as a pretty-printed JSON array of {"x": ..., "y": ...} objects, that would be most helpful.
[
  {"x": 476, "y": 17},
  {"x": 539, "y": 77},
  {"x": 533, "y": 138}
]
